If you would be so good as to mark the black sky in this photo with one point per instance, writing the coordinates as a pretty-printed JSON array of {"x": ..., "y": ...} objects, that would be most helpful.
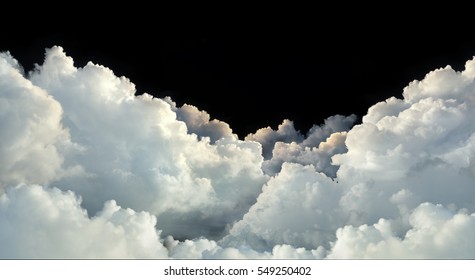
[{"x": 256, "y": 81}]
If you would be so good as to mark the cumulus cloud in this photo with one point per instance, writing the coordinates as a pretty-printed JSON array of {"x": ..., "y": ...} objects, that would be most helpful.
[
  {"x": 411, "y": 144},
  {"x": 33, "y": 139},
  {"x": 286, "y": 144},
  {"x": 436, "y": 232},
  {"x": 207, "y": 249},
  {"x": 90, "y": 169},
  {"x": 135, "y": 150},
  {"x": 286, "y": 133},
  {"x": 199, "y": 123},
  {"x": 39, "y": 222},
  {"x": 404, "y": 153},
  {"x": 298, "y": 207},
  {"x": 47, "y": 223}
]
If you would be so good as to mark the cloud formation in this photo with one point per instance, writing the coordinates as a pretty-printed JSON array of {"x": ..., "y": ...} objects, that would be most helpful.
[
  {"x": 286, "y": 144},
  {"x": 136, "y": 151},
  {"x": 435, "y": 232},
  {"x": 89, "y": 169},
  {"x": 199, "y": 123},
  {"x": 33, "y": 139},
  {"x": 39, "y": 222}
]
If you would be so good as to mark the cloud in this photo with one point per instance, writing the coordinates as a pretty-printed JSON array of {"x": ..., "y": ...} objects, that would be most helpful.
[
  {"x": 207, "y": 249},
  {"x": 44, "y": 223},
  {"x": 405, "y": 153},
  {"x": 436, "y": 232},
  {"x": 411, "y": 144},
  {"x": 136, "y": 151},
  {"x": 90, "y": 169},
  {"x": 288, "y": 145},
  {"x": 33, "y": 138},
  {"x": 285, "y": 133},
  {"x": 198, "y": 122},
  {"x": 40, "y": 222},
  {"x": 297, "y": 207}
]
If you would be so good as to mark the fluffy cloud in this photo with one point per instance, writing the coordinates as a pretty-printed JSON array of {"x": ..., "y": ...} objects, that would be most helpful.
[
  {"x": 413, "y": 144},
  {"x": 207, "y": 249},
  {"x": 43, "y": 223},
  {"x": 285, "y": 133},
  {"x": 90, "y": 169},
  {"x": 286, "y": 144},
  {"x": 436, "y": 232},
  {"x": 408, "y": 153},
  {"x": 298, "y": 207},
  {"x": 40, "y": 222},
  {"x": 33, "y": 139},
  {"x": 404, "y": 153},
  {"x": 136, "y": 151},
  {"x": 198, "y": 122}
]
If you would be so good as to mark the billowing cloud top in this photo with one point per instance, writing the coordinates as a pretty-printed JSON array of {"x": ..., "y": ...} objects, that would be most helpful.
[{"x": 89, "y": 169}]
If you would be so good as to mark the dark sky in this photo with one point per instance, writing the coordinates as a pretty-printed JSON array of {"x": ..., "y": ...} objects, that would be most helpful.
[{"x": 252, "y": 82}]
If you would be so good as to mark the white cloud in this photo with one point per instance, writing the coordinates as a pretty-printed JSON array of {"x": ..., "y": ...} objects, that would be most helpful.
[
  {"x": 319, "y": 156},
  {"x": 286, "y": 144},
  {"x": 406, "y": 152},
  {"x": 43, "y": 223},
  {"x": 398, "y": 185},
  {"x": 40, "y": 222},
  {"x": 207, "y": 249},
  {"x": 319, "y": 133},
  {"x": 299, "y": 207},
  {"x": 435, "y": 233},
  {"x": 412, "y": 144},
  {"x": 136, "y": 152},
  {"x": 285, "y": 132},
  {"x": 33, "y": 139},
  {"x": 198, "y": 122}
]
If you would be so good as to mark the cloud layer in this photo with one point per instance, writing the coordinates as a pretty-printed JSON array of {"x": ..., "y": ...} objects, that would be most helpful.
[{"x": 89, "y": 169}]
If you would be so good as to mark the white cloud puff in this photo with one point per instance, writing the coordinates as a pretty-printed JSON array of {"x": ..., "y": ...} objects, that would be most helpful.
[
  {"x": 297, "y": 207},
  {"x": 285, "y": 133},
  {"x": 199, "y": 123},
  {"x": 207, "y": 249},
  {"x": 39, "y": 222},
  {"x": 412, "y": 144},
  {"x": 435, "y": 233},
  {"x": 33, "y": 139},
  {"x": 286, "y": 144}
]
